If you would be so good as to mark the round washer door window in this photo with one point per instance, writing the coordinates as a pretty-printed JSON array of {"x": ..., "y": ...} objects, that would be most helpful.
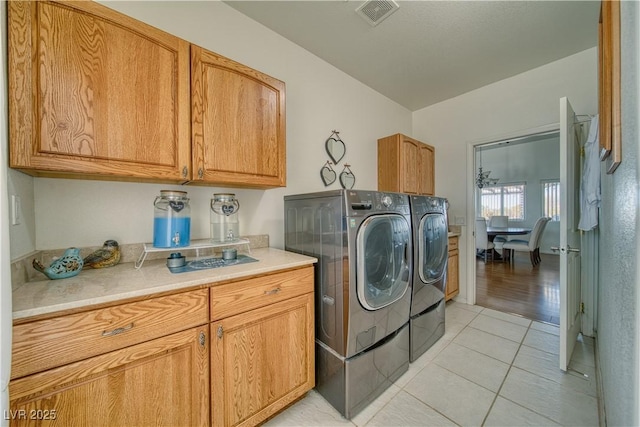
[
  {"x": 433, "y": 247},
  {"x": 383, "y": 250}
]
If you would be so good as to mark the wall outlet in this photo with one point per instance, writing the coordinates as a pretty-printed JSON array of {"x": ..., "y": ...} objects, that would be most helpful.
[
  {"x": 459, "y": 220},
  {"x": 16, "y": 210}
]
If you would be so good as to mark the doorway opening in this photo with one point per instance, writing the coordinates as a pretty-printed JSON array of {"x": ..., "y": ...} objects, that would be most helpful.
[{"x": 519, "y": 180}]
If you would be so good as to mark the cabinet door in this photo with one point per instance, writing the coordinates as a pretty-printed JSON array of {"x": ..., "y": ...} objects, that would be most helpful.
[
  {"x": 453, "y": 280},
  {"x": 409, "y": 166},
  {"x": 238, "y": 123},
  {"x": 159, "y": 382},
  {"x": 261, "y": 361},
  {"x": 427, "y": 170},
  {"x": 94, "y": 93}
]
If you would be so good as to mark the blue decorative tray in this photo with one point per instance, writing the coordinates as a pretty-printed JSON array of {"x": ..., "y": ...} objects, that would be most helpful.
[{"x": 207, "y": 263}]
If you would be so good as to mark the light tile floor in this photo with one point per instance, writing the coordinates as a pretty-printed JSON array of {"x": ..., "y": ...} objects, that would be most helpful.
[{"x": 490, "y": 368}]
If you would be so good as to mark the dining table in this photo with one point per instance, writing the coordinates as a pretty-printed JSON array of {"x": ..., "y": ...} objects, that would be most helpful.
[{"x": 492, "y": 232}]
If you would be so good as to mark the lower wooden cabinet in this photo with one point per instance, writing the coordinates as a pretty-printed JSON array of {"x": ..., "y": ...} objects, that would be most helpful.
[
  {"x": 261, "y": 361},
  {"x": 232, "y": 354},
  {"x": 453, "y": 269},
  {"x": 159, "y": 382}
]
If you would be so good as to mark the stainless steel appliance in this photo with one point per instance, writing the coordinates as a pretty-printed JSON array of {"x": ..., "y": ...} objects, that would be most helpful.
[
  {"x": 431, "y": 244},
  {"x": 362, "y": 240}
]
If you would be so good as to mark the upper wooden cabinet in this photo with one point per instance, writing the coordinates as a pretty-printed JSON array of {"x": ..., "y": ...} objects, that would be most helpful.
[
  {"x": 405, "y": 165},
  {"x": 238, "y": 117},
  {"x": 94, "y": 92}
]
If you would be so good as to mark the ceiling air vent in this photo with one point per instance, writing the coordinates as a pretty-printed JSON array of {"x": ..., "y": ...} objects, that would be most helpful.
[{"x": 374, "y": 12}]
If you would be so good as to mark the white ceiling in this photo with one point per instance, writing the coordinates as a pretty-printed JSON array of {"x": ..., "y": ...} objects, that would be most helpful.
[{"x": 429, "y": 51}]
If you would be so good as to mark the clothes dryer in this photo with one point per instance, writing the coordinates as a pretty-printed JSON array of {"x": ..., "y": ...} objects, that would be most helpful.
[
  {"x": 431, "y": 245},
  {"x": 362, "y": 240}
]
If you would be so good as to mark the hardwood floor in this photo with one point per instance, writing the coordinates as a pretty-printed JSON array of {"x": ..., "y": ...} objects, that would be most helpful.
[{"x": 519, "y": 288}]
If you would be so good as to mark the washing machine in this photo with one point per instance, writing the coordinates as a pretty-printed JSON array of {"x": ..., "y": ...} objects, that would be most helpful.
[
  {"x": 431, "y": 249},
  {"x": 362, "y": 240}
]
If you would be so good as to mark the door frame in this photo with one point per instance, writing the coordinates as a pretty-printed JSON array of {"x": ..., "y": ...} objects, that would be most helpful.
[{"x": 471, "y": 206}]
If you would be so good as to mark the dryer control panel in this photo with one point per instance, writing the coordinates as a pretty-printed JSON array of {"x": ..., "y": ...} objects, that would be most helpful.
[{"x": 367, "y": 202}]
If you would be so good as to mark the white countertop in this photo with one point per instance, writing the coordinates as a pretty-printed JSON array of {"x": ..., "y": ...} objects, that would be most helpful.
[{"x": 99, "y": 286}]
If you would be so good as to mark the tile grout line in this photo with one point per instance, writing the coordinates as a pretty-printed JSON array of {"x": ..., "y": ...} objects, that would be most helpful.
[
  {"x": 428, "y": 363},
  {"x": 532, "y": 373},
  {"x": 506, "y": 375}
]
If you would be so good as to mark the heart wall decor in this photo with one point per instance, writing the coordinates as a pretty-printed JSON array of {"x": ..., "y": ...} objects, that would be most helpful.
[
  {"x": 327, "y": 174},
  {"x": 347, "y": 178},
  {"x": 335, "y": 147}
]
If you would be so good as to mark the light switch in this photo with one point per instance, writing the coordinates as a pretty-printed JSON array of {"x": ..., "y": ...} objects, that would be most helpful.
[{"x": 16, "y": 210}]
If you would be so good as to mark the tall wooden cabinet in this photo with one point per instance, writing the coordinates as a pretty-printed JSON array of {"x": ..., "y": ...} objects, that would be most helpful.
[
  {"x": 406, "y": 165},
  {"x": 238, "y": 126},
  {"x": 453, "y": 269},
  {"x": 96, "y": 94},
  {"x": 93, "y": 92}
]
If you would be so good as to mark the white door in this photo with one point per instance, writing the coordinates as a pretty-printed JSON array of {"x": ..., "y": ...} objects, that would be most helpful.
[{"x": 570, "y": 291}]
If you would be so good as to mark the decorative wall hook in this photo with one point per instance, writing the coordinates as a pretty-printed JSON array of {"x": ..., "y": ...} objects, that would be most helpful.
[
  {"x": 335, "y": 147},
  {"x": 327, "y": 174},
  {"x": 347, "y": 178}
]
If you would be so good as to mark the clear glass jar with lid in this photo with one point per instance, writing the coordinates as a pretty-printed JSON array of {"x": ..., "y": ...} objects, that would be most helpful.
[
  {"x": 225, "y": 227},
  {"x": 171, "y": 220}
]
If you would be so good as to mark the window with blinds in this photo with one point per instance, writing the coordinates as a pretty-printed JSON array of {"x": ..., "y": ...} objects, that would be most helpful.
[
  {"x": 551, "y": 199},
  {"x": 506, "y": 199}
]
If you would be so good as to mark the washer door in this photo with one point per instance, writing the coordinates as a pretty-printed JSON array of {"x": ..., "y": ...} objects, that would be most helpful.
[
  {"x": 383, "y": 253},
  {"x": 433, "y": 247}
]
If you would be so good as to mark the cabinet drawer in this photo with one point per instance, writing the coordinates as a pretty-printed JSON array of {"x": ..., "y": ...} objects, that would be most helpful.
[
  {"x": 237, "y": 297},
  {"x": 44, "y": 344},
  {"x": 453, "y": 243}
]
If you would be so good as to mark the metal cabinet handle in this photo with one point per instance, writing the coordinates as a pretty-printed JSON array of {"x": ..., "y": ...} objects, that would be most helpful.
[
  {"x": 200, "y": 173},
  {"x": 272, "y": 291},
  {"x": 117, "y": 330},
  {"x": 185, "y": 172},
  {"x": 202, "y": 339}
]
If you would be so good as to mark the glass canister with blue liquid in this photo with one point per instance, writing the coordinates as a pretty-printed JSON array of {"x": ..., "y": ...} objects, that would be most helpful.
[{"x": 171, "y": 220}]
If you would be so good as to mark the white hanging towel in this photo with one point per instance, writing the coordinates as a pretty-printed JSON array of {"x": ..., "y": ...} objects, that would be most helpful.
[{"x": 590, "y": 184}]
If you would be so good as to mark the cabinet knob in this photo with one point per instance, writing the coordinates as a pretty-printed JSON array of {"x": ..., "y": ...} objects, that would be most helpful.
[
  {"x": 220, "y": 330},
  {"x": 185, "y": 172},
  {"x": 202, "y": 339},
  {"x": 200, "y": 173}
]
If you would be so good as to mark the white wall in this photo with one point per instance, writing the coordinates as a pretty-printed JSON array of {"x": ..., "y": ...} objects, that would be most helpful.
[
  {"x": 320, "y": 98},
  {"x": 619, "y": 293},
  {"x": 529, "y": 163},
  {"x": 511, "y": 106}
]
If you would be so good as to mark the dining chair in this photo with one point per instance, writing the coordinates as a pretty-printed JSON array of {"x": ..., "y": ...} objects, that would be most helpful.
[
  {"x": 532, "y": 245},
  {"x": 499, "y": 221},
  {"x": 482, "y": 240}
]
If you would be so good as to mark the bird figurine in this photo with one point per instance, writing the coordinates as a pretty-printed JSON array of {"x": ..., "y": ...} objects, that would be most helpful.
[
  {"x": 107, "y": 256},
  {"x": 68, "y": 265}
]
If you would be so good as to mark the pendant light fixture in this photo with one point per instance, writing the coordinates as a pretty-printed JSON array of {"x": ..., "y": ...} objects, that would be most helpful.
[{"x": 483, "y": 180}]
